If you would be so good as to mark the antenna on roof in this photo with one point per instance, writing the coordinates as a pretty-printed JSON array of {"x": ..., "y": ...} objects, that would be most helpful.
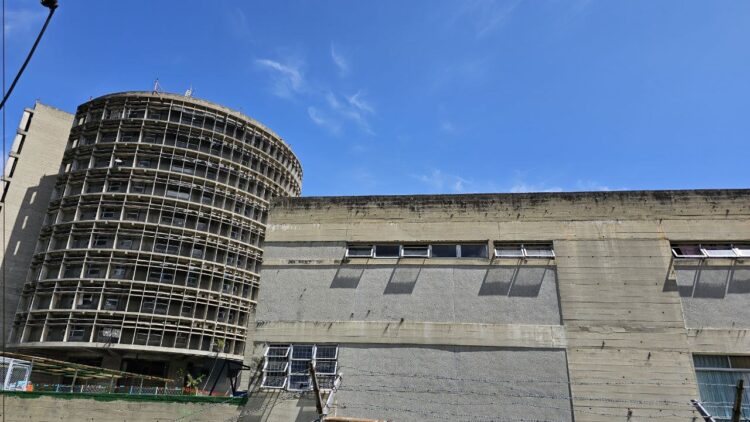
[
  {"x": 189, "y": 92},
  {"x": 157, "y": 87}
]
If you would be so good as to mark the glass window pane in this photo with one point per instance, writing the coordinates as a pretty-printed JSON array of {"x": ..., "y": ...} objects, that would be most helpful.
[
  {"x": 473, "y": 251},
  {"x": 710, "y": 361},
  {"x": 444, "y": 251},
  {"x": 725, "y": 251},
  {"x": 356, "y": 251},
  {"x": 302, "y": 351},
  {"x": 387, "y": 251},
  {"x": 508, "y": 251}
]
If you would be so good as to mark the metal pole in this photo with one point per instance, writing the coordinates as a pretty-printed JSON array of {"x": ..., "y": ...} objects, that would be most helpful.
[
  {"x": 702, "y": 411},
  {"x": 737, "y": 409},
  {"x": 316, "y": 390}
]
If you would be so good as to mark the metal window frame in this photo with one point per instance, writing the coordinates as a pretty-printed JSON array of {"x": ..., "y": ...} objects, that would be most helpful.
[
  {"x": 371, "y": 247},
  {"x": 461, "y": 247},
  {"x": 427, "y": 249}
]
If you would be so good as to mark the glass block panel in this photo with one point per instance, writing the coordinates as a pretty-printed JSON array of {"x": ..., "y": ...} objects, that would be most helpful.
[
  {"x": 302, "y": 351},
  {"x": 326, "y": 352}
]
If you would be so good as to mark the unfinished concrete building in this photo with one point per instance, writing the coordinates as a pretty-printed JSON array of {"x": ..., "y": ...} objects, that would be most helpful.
[
  {"x": 552, "y": 306},
  {"x": 151, "y": 243}
]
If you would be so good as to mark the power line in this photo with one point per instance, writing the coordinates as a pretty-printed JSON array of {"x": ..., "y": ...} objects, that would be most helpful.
[{"x": 52, "y": 5}]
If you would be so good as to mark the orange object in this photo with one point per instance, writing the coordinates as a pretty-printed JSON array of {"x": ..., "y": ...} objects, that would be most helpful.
[{"x": 29, "y": 387}]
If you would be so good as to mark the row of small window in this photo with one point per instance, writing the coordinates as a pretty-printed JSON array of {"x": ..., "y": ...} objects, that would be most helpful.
[
  {"x": 144, "y": 337},
  {"x": 288, "y": 366},
  {"x": 725, "y": 250},
  {"x": 194, "y": 118},
  {"x": 149, "y": 305},
  {"x": 450, "y": 250},
  {"x": 225, "y": 283},
  {"x": 191, "y": 166}
]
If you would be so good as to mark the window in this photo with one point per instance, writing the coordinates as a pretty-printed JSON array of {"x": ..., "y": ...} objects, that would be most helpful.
[
  {"x": 288, "y": 366},
  {"x": 109, "y": 214},
  {"x": 76, "y": 334},
  {"x": 114, "y": 187},
  {"x": 473, "y": 251},
  {"x": 144, "y": 163},
  {"x": 420, "y": 251},
  {"x": 717, "y": 378},
  {"x": 444, "y": 251},
  {"x": 119, "y": 272},
  {"x": 93, "y": 272},
  {"x": 125, "y": 244},
  {"x": 711, "y": 250},
  {"x": 520, "y": 250},
  {"x": 111, "y": 303},
  {"x": 359, "y": 251},
  {"x": 132, "y": 215},
  {"x": 101, "y": 241},
  {"x": 387, "y": 251},
  {"x": 138, "y": 187}
]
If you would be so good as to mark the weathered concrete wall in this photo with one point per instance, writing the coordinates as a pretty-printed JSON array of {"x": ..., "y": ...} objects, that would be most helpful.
[
  {"x": 715, "y": 296},
  {"x": 418, "y": 383},
  {"x": 628, "y": 333},
  {"x": 35, "y": 160}
]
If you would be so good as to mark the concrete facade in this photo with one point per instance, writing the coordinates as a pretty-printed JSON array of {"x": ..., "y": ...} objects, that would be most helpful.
[
  {"x": 28, "y": 182},
  {"x": 606, "y": 330}
]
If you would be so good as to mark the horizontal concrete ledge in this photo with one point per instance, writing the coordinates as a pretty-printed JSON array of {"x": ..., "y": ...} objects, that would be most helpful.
[
  {"x": 73, "y": 345},
  {"x": 428, "y": 333}
]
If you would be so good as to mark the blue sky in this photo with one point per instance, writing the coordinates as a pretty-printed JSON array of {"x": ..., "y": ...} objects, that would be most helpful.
[{"x": 398, "y": 97}]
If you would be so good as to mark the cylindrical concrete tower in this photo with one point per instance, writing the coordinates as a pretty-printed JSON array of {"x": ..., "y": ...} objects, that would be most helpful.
[{"x": 152, "y": 238}]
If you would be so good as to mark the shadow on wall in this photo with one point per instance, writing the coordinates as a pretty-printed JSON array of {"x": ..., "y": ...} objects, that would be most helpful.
[
  {"x": 709, "y": 282},
  {"x": 23, "y": 240},
  {"x": 506, "y": 280}
]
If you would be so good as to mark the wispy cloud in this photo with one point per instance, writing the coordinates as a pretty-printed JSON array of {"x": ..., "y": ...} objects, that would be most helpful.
[
  {"x": 340, "y": 61},
  {"x": 522, "y": 187},
  {"x": 288, "y": 78},
  {"x": 22, "y": 20},
  {"x": 359, "y": 103},
  {"x": 487, "y": 16},
  {"x": 438, "y": 181},
  {"x": 354, "y": 108},
  {"x": 238, "y": 24},
  {"x": 447, "y": 126},
  {"x": 323, "y": 121}
]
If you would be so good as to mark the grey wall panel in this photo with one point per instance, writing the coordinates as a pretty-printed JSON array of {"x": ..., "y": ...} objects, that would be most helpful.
[
  {"x": 715, "y": 296},
  {"x": 414, "y": 293},
  {"x": 304, "y": 250},
  {"x": 410, "y": 383}
]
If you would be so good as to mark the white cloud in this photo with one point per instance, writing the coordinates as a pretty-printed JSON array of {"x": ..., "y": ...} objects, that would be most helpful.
[
  {"x": 354, "y": 109},
  {"x": 522, "y": 187},
  {"x": 323, "y": 121},
  {"x": 438, "y": 181},
  {"x": 340, "y": 61},
  {"x": 487, "y": 15},
  {"x": 447, "y": 127},
  {"x": 591, "y": 185},
  {"x": 288, "y": 79},
  {"x": 23, "y": 20},
  {"x": 359, "y": 103}
]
